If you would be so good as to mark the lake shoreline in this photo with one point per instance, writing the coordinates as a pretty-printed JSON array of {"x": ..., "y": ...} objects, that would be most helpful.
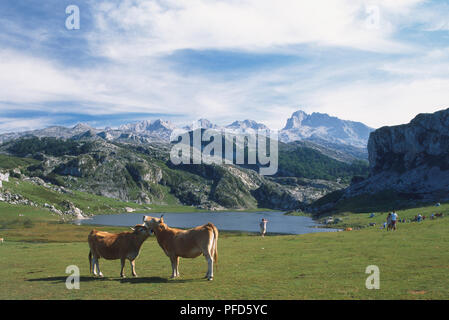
[{"x": 229, "y": 221}]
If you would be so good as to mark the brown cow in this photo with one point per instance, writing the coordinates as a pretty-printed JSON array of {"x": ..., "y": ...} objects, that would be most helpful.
[
  {"x": 186, "y": 243},
  {"x": 112, "y": 246}
]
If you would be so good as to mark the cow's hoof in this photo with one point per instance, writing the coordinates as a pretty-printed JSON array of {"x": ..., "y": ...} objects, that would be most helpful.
[
  {"x": 210, "y": 279},
  {"x": 122, "y": 276},
  {"x": 135, "y": 275}
]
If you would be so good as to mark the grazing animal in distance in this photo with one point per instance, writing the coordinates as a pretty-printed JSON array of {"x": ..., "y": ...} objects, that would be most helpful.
[
  {"x": 189, "y": 243},
  {"x": 1, "y": 240},
  {"x": 112, "y": 246}
]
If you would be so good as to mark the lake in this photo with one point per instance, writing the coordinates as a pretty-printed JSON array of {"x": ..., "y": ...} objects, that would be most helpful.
[{"x": 229, "y": 221}]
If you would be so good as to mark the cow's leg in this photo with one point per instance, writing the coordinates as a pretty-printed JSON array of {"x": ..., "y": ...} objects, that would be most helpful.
[
  {"x": 210, "y": 262},
  {"x": 207, "y": 272},
  {"x": 177, "y": 266},
  {"x": 174, "y": 266},
  {"x": 122, "y": 273},
  {"x": 210, "y": 266},
  {"x": 208, "y": 254},
  {"x": 133, "y": 267},
  {"x": 93, "y": 262},
  {"x": 97, "y": 263}
]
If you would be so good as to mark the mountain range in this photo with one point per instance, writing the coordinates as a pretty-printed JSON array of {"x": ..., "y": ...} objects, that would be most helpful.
[{"x": 320, "y": 129}]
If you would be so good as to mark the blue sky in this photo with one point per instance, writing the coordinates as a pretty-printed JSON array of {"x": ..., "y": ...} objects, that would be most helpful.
[{"x": 379, "y": 62}]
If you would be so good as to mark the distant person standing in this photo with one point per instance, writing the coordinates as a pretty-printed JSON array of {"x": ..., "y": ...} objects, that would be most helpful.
[
  {"x": 263, "y": 227},
  {"x": 394, "y": 219},
  {"x": 389, "y": 221}
]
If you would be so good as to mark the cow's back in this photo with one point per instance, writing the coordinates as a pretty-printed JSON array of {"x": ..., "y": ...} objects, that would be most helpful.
[
  {"x": 191, "y": 243},
  {"x": 106, "y": 245}
]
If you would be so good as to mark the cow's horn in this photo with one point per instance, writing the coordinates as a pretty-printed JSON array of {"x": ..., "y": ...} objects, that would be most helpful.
[{"x": 162, "y": 215}]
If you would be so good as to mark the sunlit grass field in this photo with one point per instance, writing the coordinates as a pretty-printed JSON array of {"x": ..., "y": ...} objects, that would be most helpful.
[{"x": 413, "y": 263}]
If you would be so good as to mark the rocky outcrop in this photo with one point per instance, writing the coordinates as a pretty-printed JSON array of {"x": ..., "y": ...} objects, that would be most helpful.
[
  {"x": 70, "y": 210},
  {"x": 13, "y": 198},
  {"x": 4, "y": 176},
  {"x": 67, "y": 209},
  {"x": 412, "y": 158},
  {"x": 270, "y": 195},
  {"x": 423, "y": 141}
]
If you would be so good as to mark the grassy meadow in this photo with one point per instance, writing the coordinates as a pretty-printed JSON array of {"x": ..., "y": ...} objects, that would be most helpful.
[{"x": 413, "y": 262}]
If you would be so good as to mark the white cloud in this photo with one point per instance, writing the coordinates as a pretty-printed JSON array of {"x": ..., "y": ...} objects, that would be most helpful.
[
  {"x": 27, "y": 79},
  {"x": 134, "y": 33},
  {"x": 141, "y": 28},
  {"x": 22, "y": 124}
]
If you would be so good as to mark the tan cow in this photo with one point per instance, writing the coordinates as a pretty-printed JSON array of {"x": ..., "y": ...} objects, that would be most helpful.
[
  {"x": 186, "y": 243},
  {"x": 112, "y": 246},
  {"x": 1, "y": 240}
]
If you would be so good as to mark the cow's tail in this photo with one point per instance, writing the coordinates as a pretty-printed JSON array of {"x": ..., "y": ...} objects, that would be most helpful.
[
  {"x": 90, "y": 261},
  {"x": 89, "y": 239},
  {"x": 215, "y": 253}
]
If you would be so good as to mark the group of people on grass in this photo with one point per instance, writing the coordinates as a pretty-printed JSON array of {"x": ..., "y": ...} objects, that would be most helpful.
[
  {"x": 392, "y": 219},
  {"x": 390, "y": 224}
]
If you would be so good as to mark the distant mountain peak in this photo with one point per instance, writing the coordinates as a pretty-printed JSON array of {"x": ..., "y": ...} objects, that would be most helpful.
[
  {"x": 201, "y": 124},
  {"x": 160, "y": 124},
  {"x": 323, "y": 127},
  {"x": 246, "y": 124},
  {"x": 148, "y": 126},
  {"x": 81, "y": 127},
  {"x": 295, "y": 120}
]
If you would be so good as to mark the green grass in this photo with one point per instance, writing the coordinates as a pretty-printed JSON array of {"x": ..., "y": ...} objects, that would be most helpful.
[
  {"x": 89, "y": 203},
  {"x": 10, "y": 162},
  {"x": 362, "y": 220},
  {"x": 413, "y": 262}
]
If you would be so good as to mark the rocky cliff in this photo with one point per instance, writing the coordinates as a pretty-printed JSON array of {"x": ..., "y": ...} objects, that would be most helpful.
[{"x": 412, "y": 158}]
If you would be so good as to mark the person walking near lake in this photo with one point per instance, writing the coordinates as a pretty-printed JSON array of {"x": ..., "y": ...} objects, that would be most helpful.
[{"x": 263, "y": 227}]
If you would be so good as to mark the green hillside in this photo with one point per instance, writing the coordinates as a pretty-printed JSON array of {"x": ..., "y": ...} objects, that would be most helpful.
[{"x": 308, "y": 163}]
